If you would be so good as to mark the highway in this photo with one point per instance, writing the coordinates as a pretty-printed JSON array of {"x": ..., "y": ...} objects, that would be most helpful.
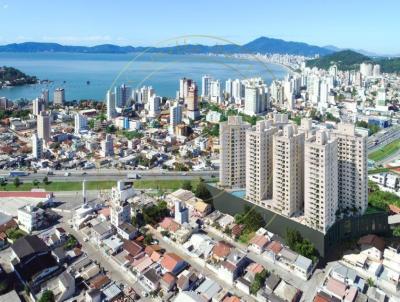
[{"x": 114, "y": 174}]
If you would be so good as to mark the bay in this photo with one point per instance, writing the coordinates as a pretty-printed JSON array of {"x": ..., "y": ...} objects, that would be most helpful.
[{"x": 73, "y": 71}]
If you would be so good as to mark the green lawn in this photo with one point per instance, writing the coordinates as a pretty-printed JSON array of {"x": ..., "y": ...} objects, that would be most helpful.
[
  {"x": 385, "y": 151},
  {"x": 60, "y": 186},
  {"x": 378, "y": 170},
  {"x": 167, "y": 184}
]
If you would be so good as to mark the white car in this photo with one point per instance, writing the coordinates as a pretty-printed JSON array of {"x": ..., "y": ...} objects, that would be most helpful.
[{"x": 67, "y": 174}]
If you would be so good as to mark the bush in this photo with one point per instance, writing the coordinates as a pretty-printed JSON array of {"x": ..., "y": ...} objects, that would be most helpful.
[
  {"x": 47, "y": 296},
  {"x": 300, "y": 245},
  {"x": 203, "y": 193},
  {"x": 187, "y": 185}
]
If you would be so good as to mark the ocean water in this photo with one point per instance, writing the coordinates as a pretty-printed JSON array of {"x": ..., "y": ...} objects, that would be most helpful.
[{"x": 162, "y": 71}]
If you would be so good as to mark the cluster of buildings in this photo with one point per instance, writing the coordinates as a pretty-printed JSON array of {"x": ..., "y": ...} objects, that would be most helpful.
[
  {"x": 295, "y": 170},
  {"x": 369, "y": 274}
]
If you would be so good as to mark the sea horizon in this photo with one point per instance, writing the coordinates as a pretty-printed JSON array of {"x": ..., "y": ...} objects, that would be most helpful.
[{"x": 89, "y": 76}]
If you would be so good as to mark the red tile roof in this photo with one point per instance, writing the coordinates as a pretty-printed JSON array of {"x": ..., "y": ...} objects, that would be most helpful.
[
  {"x": 336, "y": 287},
  {"x": 99, "y": 281},
  {"x": 169, "y": 261},
  {"x": 259, "y": 240},
  {"x": 231, "y": 299},
  {"x": 150, "y": 249},
  {"x": 168, "y": 278},
  {"x": 394, "y": 209},
  {"x": 25, "y": 194},
  {"x": 274, "y": 246},
  {"x": 221, "y": 249},
  {"x": 169, "y": 224},
  {"x": 372, "y": 240},
  {"x": 321, "y": 298},
  {"x": 255, "y": 268},
  {"x": 132, "y": 247}
]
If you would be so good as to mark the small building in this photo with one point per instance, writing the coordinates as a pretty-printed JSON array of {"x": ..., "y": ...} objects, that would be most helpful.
[
  {"x": 31, "y": 218},
  {"x": 372, "y": 246},
  {"x": 151, "y": 280},
  {"x": 167, "y": 282},
  {"x": 101, "y": 231},
  {"x": 303, "y": 267},
  {"x": 127, "y": 231},
  {"x": 173, "y": 263}
]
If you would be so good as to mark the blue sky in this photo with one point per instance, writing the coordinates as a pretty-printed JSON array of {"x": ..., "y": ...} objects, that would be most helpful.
[{"x": 359, "y": 24}]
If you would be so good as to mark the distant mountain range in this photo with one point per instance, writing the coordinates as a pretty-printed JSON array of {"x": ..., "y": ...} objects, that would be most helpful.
[
  {"x": 260, "y": 45},
  {"x": 351, "y": 60}
]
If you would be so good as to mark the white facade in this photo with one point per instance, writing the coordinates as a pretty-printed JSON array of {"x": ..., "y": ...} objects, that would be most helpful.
[
  {"x": 352, "y": 162},
  {"x": 259, "y": 141},
  {"x": 288, "y": 171},
  {"x": 43, "y": 126},
  {"x": 320, "y": 181},
  {"x": 175, "y": 117},
  {"x": 110, "y": 104},
  {"x": 107, "y": 146},
  {"x": 255, "y": 95},
  {"x": 80, "y": 123},
  {"x": 37, "y": 146},
  {"x": 30, "y": 218},
  {"x": 233, "y": 152},
  {"x": 154, "y": 105},
  {"x": 59, "y": 96}
]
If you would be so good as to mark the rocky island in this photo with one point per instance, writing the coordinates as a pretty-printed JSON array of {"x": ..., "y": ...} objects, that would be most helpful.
[{"x": 10, "y": 76}]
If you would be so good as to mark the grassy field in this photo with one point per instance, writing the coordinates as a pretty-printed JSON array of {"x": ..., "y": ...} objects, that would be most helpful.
[
  {"x": 167, "y": 184},
  {"x": 60, "y": 186},
  {"x": 378, "y": 170},
  {"x": 385, "y": 151}
]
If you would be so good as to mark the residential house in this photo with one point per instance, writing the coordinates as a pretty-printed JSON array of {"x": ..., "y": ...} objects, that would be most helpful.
[
  {"x": 372, "y": 246},
  {"x": 258, "y": 244},
  {"x": 150, "y": 279},
  {"x": 233, "y": 266},
  {"x": 221, "y": 250},
  {"x": 173, "y": 263},
  {"x": 127, "y": 231},
  {"x": 167, "y": 282},
  {"x": 303, "y": 267},
  {"x": 101, "y": 231}
]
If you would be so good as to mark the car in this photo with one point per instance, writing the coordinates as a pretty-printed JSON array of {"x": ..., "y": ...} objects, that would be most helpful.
[
  {"x": 84, "y": 173},
  {"x": 67, "y": 174},
  {"x": 184, "y": 174}
]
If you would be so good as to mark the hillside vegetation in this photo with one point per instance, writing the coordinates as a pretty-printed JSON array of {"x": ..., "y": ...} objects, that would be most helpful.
[{"x": 351, "y": 60}]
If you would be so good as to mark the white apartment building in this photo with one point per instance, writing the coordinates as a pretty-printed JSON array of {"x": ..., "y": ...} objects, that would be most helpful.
[
  {"x": 259, "y": 142},
  {"x": 320, "y": 181},
  {"x": 205, "y": 86},
  {"x": 288, "y": 170},
  {"x": 233, "y": 152},
  {"x": 37, "y": 106},
  {"x": 80, "y": 123},
  {"x": 43, "y": 126},
  {"x": 353, "y": 174},
  {"x": 255, "y": 95},
  {"x": 37, "y": 146},
  {"x": 59, "y": 96},
  {"x": 107, "y": 146},
  {"x": 175, "y": 117},
  {"x": 154, "y": 105},
  {"x": 120, "y": 210},
  {"x": 110, "y": 104},
  {"x": 30, "y": 218}
]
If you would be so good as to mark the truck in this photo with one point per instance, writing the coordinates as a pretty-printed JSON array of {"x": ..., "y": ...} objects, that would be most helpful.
[
  {"x": 18, "y": 173},
  {"x": 133, "y": 176}
]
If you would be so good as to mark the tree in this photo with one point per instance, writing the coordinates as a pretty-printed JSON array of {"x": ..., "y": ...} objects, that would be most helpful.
[
  {"x": 370, "y": 282},
  {"x": 187, "y": 185},
  {"x": 259, "y": 280},
  {"x": 17, "y": 182},
  {"x": 396, "y": 232},
  {"x": 47, "y": 296},
  {"x": 203, "y": 193},
  {"x": 45, "y": 180},
  {"x": 35, "y": 182},
  {"x": 3, "y": 182}
]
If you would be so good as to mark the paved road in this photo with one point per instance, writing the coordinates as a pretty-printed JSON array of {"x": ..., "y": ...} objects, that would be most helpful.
[{"x": 112, "y": 174}]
